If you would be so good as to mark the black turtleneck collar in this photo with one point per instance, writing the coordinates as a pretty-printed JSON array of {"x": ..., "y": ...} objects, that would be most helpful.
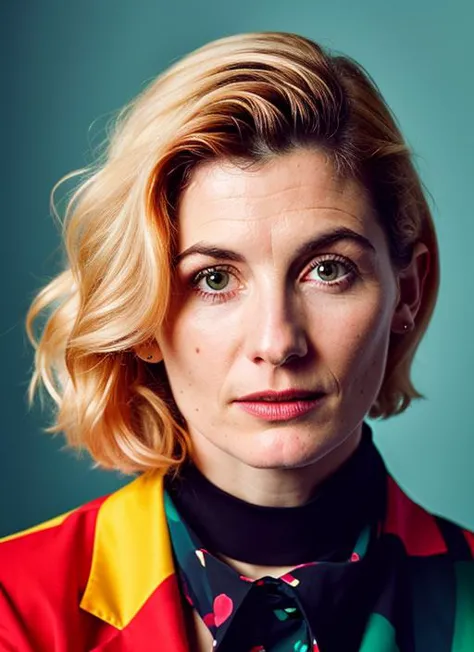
[{"x": 325, "y": 527}]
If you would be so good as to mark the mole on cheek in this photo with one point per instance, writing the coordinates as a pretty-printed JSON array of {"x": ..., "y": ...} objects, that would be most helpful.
[{"x": 197, "y": 349}]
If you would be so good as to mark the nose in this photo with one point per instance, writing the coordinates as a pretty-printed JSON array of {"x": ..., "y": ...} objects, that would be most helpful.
[{"x": 276, "y": 332}]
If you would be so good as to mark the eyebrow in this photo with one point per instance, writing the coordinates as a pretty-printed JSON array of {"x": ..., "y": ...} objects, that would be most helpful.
[{"x": 321, "y": 241}]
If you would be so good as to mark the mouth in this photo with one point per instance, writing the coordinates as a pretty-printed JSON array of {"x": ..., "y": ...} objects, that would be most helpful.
[
  {"x": 280, "y": 406},
  {"x": 285, "y": 396}
]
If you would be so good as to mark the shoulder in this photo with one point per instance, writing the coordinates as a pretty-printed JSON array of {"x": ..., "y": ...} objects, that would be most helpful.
[
  {"x": 41, "y": 553},
  {"x": 42, "y": 572},
  {"x": 88, "y": 573},
  {"x": 424, "y": 533}
]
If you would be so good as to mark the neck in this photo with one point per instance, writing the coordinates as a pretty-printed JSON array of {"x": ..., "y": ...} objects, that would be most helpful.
[
  {"x": 278, "y": 536},
  {"x": 269, "y": 487}
]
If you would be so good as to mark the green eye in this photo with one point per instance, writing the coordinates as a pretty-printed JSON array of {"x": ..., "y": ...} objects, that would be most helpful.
[
  {"x": 217, "y": 280},
  {"x": 324, "y": 270},
  {"x": 332, "y": 273}
]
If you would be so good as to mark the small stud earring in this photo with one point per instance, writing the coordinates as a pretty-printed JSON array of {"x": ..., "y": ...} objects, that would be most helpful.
[{"x": 149, "y": 357}]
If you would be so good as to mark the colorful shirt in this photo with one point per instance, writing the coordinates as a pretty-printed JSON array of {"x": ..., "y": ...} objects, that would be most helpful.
[
  {"x": 396, "y": 591},
  {"x": 103, "y": 577},
  {"x": 265, "y": 615}
]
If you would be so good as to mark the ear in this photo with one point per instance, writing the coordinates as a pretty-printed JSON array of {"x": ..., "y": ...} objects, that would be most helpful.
[
  {"x": 411, "y": 282},
  {"x": 149, "y": 352}
]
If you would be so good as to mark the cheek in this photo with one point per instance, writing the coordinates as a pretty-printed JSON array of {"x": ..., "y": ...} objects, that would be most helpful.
[
  {"x": 193, "y": 353},
  {"x": 202, "y": 335},
  {"x": 358, "y": 341}
]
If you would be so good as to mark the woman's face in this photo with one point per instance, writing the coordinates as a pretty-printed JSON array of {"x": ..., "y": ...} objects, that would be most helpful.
[{"x": 283, "y": 283}]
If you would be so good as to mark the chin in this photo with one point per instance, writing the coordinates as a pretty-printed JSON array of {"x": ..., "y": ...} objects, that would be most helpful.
[{"x": 280, "y": 449}]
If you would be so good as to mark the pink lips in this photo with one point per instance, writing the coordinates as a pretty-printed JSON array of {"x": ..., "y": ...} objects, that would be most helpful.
[{"x": 280, "y": 406}]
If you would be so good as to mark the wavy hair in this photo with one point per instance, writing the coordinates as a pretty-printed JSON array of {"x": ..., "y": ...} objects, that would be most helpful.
[{"x": 246, "y": 97}]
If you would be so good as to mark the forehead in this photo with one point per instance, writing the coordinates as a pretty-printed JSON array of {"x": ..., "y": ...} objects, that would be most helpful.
[{"x": 292, "y": 194}]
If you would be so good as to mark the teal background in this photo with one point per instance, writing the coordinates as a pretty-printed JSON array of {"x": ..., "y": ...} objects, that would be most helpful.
[{"x": 69, "y": 65}]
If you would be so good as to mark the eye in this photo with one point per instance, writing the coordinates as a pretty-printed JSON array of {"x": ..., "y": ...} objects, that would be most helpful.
[
  {"x": 216, "y": 283},
  {"x": 332, "y": 271},
  {"x": 328, "y": 270},
  {"x": 216, "y": 280}
]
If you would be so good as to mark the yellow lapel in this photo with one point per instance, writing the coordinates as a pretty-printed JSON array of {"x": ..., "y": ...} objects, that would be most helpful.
[{"x": 132, "y": 551}]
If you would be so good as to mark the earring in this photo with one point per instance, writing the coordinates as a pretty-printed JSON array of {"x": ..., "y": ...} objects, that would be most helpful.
[
  {"x": 153, "y": 358},
  {"x": 151, "y": 355}
]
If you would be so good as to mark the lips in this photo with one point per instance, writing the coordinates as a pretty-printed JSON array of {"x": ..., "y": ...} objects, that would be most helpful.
[
  {"x": 271, "y": 396},
  {"x": 280, "y": 406}
]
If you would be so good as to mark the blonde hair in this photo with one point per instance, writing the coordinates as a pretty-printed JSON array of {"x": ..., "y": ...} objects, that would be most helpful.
[{"x": 248, "y": 97}]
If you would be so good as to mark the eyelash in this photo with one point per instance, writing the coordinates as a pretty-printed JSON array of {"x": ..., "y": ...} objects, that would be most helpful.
[
  {"x": 213, "y": 297},
  {"x": 218, "y": 297},
  {"x": 352, "y": 271}
]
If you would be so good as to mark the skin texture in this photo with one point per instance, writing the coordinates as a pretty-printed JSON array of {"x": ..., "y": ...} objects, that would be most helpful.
[{"x": 273, "y": 322}]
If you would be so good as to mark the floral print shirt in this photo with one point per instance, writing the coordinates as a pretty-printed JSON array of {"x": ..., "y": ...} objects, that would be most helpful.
[
  {"x": 265, "y": 615},
  {"x": 402, "y": 582}
]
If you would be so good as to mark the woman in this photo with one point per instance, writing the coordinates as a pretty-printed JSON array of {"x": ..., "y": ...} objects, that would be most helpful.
[{"x": 251, "y": 270}]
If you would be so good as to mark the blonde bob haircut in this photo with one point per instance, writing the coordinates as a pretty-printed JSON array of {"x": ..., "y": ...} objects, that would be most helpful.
[{"x": 248, "y": 98}]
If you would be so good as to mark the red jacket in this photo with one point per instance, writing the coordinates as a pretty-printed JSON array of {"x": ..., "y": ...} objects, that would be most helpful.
[{"x": 101, "y": 578}]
